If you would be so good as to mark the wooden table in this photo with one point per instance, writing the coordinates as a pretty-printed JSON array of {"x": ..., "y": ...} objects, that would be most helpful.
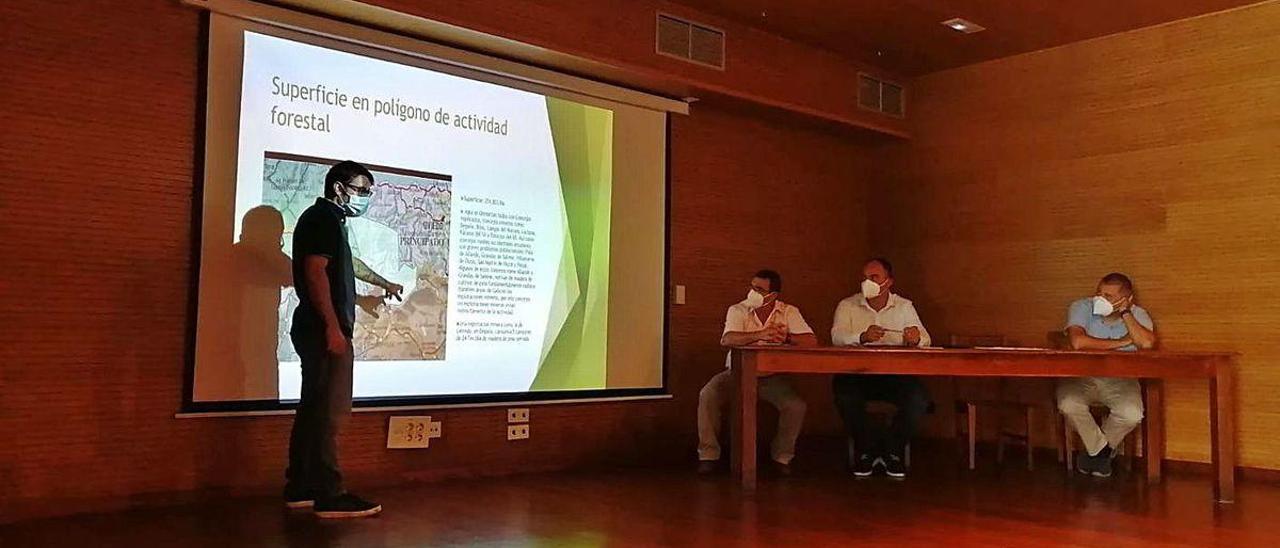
[{"x": 1153, "y": 367}]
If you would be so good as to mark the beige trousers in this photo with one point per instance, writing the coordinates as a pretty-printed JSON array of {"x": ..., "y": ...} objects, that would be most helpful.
[
  {"x": 715, "y": 397},
  {"x": 1123, "y": 397}
]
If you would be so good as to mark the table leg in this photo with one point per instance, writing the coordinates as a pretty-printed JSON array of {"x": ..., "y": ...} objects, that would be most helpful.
[
  {"x": 971, "y": 416},
  {"x": 1153, "y": 442},
  {"x": 743, "y": 425},
  {"x": 1222, "y": 428}
]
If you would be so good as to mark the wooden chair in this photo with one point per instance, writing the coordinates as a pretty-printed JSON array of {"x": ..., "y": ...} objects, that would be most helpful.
[{"x": 967, "y": 411}]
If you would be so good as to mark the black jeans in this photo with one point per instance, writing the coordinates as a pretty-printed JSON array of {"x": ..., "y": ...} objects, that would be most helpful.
[
  {"x": 324, "y": 406},
  {"x": 852, "y": 392}
]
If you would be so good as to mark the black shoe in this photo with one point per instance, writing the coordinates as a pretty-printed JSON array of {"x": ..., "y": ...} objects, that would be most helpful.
[
  {"x": 346, "y": 506},
  {"x": 894, "y": 467},
  {"x": 1103, "y": 469},
  {"x": 864, "y": 466},
  {"x": 298, "y": 500},
  {"x": 782, "y": 469},
  {"x": 708, "y": 467},
  {"x": 1085, "y": 463},
  {"x": 1102, "y": 462}
]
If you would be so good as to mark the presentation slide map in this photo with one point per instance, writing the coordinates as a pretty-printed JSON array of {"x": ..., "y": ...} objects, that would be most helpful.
[{"x": 406, "y": 231}]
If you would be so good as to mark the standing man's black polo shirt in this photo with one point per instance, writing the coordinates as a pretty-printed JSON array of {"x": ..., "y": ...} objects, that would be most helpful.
[{"x": 322, "y": 230}]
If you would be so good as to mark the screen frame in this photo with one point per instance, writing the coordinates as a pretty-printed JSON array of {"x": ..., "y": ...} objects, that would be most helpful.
[{"x": 192, "y": 407}]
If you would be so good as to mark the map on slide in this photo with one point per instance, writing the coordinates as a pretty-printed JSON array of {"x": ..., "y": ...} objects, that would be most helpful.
[{"x": 404, "y": 237}]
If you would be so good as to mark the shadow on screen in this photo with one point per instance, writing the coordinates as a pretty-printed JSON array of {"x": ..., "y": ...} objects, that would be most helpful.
[{"x": 261, "y": 269}]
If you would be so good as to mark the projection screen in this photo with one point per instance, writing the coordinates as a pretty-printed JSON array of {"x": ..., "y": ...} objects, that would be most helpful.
[{"x": 525, "y": 219}]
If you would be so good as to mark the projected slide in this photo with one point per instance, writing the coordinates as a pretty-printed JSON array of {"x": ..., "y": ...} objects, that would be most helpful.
[{"x": 492, "y": 206}]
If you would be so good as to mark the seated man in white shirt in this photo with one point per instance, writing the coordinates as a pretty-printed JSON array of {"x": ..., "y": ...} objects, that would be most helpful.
[
  {"x": 878, "y": 317},
  {"x": 1110, "y": 320},
  {"x": 762, "y": 318}
]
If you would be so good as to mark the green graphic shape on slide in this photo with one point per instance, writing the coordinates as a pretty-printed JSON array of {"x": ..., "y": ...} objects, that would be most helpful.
[{"x": 575, "y": 348}]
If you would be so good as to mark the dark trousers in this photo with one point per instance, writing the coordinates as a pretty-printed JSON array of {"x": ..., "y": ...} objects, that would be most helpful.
[
  {"x": 852, "y": 392},
  {"x": 324, "y": 406}
]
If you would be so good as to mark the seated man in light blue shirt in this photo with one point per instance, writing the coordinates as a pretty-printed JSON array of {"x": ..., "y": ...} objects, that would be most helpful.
[{"x": 1110, "y": 320}]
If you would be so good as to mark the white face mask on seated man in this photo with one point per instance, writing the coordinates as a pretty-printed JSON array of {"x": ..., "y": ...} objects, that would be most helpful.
[
  {"x": 1102, "y": 307},
  {"x": 870, "y": 289}
]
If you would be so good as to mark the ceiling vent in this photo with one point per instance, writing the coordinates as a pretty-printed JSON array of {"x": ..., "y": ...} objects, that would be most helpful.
[
  {"x": 689, "y": 41},
  {"x": 881, "y": 96}
]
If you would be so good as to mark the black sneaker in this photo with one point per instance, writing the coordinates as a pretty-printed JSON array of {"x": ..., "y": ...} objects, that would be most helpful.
[
  {"x": 298, "y": 500},
  {"x": 894, "y": 467},
  {"x": 346, "y": 506},
  {"x": 1102, "y": 462},
  {"x": 864, "y": 466},
  {"x": 1085, "y": 463},
  {"x": 1103, "y": 469},
  {"x": 782, "y": 469}
]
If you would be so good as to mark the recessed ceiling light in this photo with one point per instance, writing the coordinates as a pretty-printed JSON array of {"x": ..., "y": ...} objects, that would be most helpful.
[{"x": 963, "y": 25}]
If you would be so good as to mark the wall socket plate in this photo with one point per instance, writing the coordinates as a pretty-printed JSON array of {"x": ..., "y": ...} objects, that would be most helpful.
[
  {"x": 517, "y": 432},
  {"x": 412, "y": 432},
  {"x": 517, "y": 415}
]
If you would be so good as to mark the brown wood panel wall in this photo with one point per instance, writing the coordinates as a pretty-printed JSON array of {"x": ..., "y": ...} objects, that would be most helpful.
[{"x": 1154, "y": 152}]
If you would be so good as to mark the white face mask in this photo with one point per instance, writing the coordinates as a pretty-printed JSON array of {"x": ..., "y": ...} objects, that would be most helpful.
[
  {"x": 870, "y": 289},
  {"x": 1102, "y": 307},
  {"x": 754, "y": 299}
]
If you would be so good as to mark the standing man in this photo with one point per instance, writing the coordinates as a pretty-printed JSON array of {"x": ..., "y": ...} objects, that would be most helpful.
[
  {"x": 761, "y": 318},
  {"x": 879, "y": 317},
  {"x": 1110, "y": 320},
  {"x": 324, "y": 273}
]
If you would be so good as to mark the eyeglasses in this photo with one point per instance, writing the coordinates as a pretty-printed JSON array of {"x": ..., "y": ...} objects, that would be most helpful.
[{"x": 361, "y": 190}]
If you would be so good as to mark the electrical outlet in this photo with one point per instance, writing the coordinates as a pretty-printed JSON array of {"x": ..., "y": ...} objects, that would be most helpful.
[
  {"x": 517, "y": 415},
  {"x": 679, "y": 294},
  {"x": 411, "y": 432},
  {"x": 517, "y": 432}
]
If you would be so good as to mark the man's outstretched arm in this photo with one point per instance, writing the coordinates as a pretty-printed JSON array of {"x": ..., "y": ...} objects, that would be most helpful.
[{"x": 366, "y": 274}]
